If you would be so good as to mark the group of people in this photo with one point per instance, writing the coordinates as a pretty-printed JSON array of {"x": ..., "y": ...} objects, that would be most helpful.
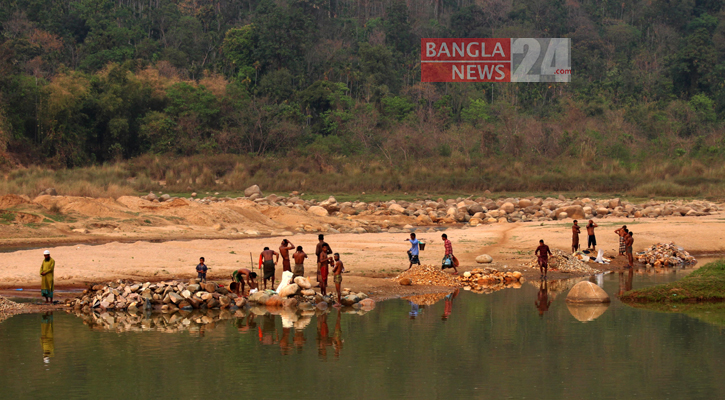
[
  {"x": 269, "y": 259},
  {"x": 626, "y": 242},
  {"x": 449, "y": 260}
]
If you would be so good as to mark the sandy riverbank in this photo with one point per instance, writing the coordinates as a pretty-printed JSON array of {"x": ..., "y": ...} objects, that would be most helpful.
[{"x": 370, "y": 257}]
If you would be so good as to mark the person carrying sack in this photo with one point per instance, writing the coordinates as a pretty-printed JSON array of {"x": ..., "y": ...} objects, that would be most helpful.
[{"x": 449, "y": 260}]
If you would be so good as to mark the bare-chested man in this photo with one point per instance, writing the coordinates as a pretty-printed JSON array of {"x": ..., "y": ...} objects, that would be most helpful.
[
  {"x": 337, "y": 272},
  {"x": 575, "y": 229},
  {"x": 284, "y": 253},
  {"x": 592, "y": 240},
  {"x": 323, "y": 261},
  {"x": 318, "y": 251},
  {"x": 628, "y": 243},
  {"x": 299, "y": 257},
  {"x": 238, "y": 279},
  {"x": 268, "y": 264}
]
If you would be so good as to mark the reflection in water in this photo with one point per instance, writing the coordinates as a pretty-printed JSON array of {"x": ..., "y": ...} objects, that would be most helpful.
[
  {"x": 625, "y": 283},
  {"x": 542, "y": 298},
  {"x": 587, "y": 312},
  {"x": 46, "y": 337},
  {"x": 449, "y": 304},
  {"x": 414, "y": 310}
]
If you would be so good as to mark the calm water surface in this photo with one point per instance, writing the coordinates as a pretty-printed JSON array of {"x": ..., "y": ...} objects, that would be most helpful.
[{"x": 502, "y": 345}]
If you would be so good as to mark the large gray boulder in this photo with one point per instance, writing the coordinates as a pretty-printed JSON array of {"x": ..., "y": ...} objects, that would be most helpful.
[{"x": 254, "y": 189}]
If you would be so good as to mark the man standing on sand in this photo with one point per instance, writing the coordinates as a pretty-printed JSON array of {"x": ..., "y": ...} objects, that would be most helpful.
[
  {"x": 575, "y": 229},
  {"x": 543, "y": 252},
  {"x": 284, "y": 253},
  {"x": 622, "y": 233},
  {"x": 268, "y": 265},
  {"x": 628, "y": 243},
  {"x": 337, "y": 272},
  {"x": 592, "y": 241},
  {"x": 318, "y": 251},
  {"x": 238, "y": 278},
  {"x": 449, "y": 255},
  {"x": 47, "y": 283},
  {"x": 414, "y": 250},
  {"x": 322, "y": 262},
  {"x": 299, "y": 257}
]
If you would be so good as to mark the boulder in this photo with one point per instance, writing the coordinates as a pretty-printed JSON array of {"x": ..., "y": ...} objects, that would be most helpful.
[
  {"x": 484, "y": 259},
  {"x": 406, "y": 282},
  {"x": 193, "y": 288},
  {"x": 318, "y": 211},
  {"x": 396, "y": 208},
  {"x": 508, "y": 207},
  {"x": 256, "y": 297},
  {"x": 614, "y": 203},
  {"x": 587, "y": 292},
  {"x": 367, "y": 304},
  {"x": 185, "y": 305},
  {"x": 308, "y": 292},
  {"x": 523, "y": 203},
  {"x": 165, "y": 197},
  {"x": 289, "y": 290},
  {"x": 274, "y": 301},
  {"x": 209, "y": 287},
  {"x": 475, "y": 208},
  {"x": 175, "y": 297},
  {"x": 254, "y": 189},
  {"x": 303, "y": 282},
  {"x": 289, "y": 303},
  {"x": 240, "y": 302}
]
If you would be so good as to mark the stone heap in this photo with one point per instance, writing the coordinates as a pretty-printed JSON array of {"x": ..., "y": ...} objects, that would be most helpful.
[
  {"x": 160, "y": 296},
  {"x": 426, "y": 275},
  {"x": 564, "y": 262},
  {"x": 489, "y": 280},
  {"x": 8, "y": 305},
  {"x": 665, "y": 255},
  {"x": 301, "y": 295}
]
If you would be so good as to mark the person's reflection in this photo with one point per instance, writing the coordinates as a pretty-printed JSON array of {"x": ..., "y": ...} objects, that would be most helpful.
[
  {"x": 449, "y": 304},
  {"x": 284, "y": 344},
  {"x": 268, "y": 333},
  {"x": 323, "y": 335},
  {"x": 46, "y": 337},
  {"x": 625, "y": 282},
  {"x": 337, "y": 336},
  {"x": 414, "y": 310},
  {"x": 299, "y": 340},
  {"x": 542, "y": 299}
]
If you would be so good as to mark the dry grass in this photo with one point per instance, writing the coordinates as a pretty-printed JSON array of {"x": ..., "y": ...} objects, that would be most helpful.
[{"x": 232, "y": 173}]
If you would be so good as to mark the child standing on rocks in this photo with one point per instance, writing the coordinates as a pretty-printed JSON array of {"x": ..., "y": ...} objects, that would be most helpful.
[{"x": 201, "y": 270}]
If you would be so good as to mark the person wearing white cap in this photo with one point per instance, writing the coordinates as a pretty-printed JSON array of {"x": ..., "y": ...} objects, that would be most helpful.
[{"x": 47, "y": 284}]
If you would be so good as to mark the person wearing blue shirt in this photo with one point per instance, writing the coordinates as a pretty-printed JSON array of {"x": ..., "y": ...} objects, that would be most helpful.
[{"x": 414, "y": 250}]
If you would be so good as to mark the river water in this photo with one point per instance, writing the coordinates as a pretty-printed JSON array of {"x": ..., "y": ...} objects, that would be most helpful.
[{"x": 509, "y": 344}]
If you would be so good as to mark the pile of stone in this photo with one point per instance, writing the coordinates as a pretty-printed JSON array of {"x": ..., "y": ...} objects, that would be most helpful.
[
  {"x": 426, "y": 299},
  {"x": 665, "y": 255},
  {"x": 8, "y": 305},
  {"x": 301, "y": 295},
  {"x": 564, "y": 262},
  {"x": 160, "y": 296},
  {"x": 489, "y": 280},
  {"x": 426, "y": 275}
]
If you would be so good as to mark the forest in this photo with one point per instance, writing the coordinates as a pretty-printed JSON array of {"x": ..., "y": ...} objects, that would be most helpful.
[{"x": 323, "y": 86}]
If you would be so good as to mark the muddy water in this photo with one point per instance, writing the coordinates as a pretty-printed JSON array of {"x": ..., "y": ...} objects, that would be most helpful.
[{"x": 510, "y": 344}]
